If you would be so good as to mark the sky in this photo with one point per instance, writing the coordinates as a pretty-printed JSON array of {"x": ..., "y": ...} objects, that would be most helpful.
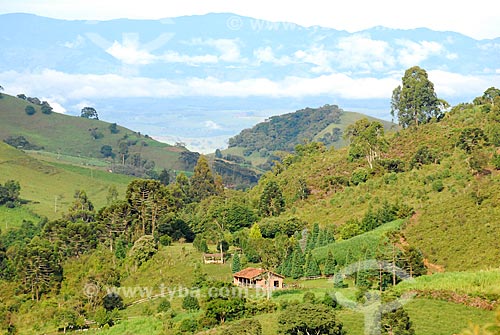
[
  {"x": 355, "y": 67},
  {"x": 478, "y": 19}
]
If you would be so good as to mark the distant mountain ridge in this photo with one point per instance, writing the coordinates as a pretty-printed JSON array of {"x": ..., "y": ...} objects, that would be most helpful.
[{"x": 205, "y": 78}]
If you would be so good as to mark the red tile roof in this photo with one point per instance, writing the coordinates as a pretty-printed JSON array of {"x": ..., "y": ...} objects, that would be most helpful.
[{"x": 251, "y": 273}]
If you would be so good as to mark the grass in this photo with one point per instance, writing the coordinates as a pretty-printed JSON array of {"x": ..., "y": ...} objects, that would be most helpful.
[
  {"x": 429, "y": 317},
  {"x": 361, "y": 247},
  {"x": 11, "y": 218},
  {"x": 473, "y": 283},
  {"x": 172, "y": 267},
  {"x": 49, "y": 188},
  {"x": 134, "y": 326},
  {"x": 69, "y": 137}
]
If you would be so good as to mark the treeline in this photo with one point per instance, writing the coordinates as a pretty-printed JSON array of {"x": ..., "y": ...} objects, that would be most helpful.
[{"x": 284, "y": 132}]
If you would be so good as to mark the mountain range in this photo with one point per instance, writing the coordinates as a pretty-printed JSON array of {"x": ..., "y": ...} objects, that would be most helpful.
[{"x": 202, "y": 79}]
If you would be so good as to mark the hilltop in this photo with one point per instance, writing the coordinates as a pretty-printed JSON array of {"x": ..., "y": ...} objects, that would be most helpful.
[
  {"x": 77, "y": 138},
  {"x": 101, "y": 145},
  {"x": 277, "y": 136}
]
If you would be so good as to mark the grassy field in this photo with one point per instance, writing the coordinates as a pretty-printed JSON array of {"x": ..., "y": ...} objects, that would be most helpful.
[
  {"x": 480, "y": 283},
  {"x": 69, "y": 137},
  {"x": 361, "y": 247},
  {"x": 11, "y": 218},
  {"x": 49, "y": 188}
]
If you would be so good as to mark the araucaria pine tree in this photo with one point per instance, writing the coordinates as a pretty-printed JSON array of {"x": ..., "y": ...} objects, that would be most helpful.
[
  {"x": 236, "y": 265},
  {"x": 297, "y": 263},
  {"x": 311, "y": 267},
  {"x": 330, "y": 264}
]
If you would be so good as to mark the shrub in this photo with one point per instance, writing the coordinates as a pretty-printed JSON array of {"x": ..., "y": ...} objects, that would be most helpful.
[
  {"x": 165, "y": 240},
  {"x": 200, "y": 244},
  {"x": 359, "y": 176},
  {"x": 30, "y": 110},
  {"x": 164, "y": 305},
  {"x": 144, "y": 248},
  {"x": 188, "y": 325},
  {"x": 112, "y": 301},
  {"x": 437, "y": 185},
  {"x": 244, "y": 327},
  {"x": 309, "y": 297},
  {"x": 496, "y": 161},
  {"x": 190, "y": 303},
  {"x": 424, "y": 156}
]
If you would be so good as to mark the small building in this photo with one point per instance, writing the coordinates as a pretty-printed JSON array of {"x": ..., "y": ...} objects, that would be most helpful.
[
  {"x": 253, "y": 277},
  {"x": 217, "y": 258}
]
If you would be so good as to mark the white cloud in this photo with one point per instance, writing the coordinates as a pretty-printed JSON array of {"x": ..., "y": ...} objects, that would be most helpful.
[
  {"x": 361, "y": 52},
  {"x": 413, "y": 53},
  {"x": 318, "y": 56},
  {"x": 203, "y": 145},
  {"x": 129, "y": 53},
  {"x": 87, "y": 87},
  {"x": 228, "y": 49},
  {"x": 266, "y": 55},
  {"x": 451, "y": 56},
  {"x": 454, "y": 85},
  {"x": 212, "y": 125},
  {"x": 79, "y": 41},
  {"x": 175, "y": 57}
]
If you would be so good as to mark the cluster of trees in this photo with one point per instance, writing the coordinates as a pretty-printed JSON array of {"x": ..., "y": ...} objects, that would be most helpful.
[
  {"x": 9, "y": 193},
  {"x": 20, "y": 142},
  {"x": 44, "y": 105},
  {"x": 375, "y": 218},
  {"x": 284, "y": 132}
]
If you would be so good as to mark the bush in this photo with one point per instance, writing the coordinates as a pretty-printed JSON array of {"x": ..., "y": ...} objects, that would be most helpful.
[
  {"x": 190, "y": 303},
  {"x": 359, "y": 176},
  {"x": 437, "y": 185},
  {"x": 188, "y": 325},
  {"x": 112, "y": 301},
  {"x": 144, "y": 248},
  {"x": 30, "y": 110},
  {"x": 496, "y": 161},
  {"x": 164, "y": 305},
  {"x": 200, "y": 244},
  {"x": 309, "y": 297},
  {"x": 244, "y": 327},
  {"x": 165, "y": 240},
  {"x": 424, "y": 156}
]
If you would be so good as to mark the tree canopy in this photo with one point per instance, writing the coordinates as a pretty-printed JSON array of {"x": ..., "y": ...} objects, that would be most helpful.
[
  {"x": 414, "y": 101},
  {"x": 89, "y": 113},
  {"x": 367, "y": 139}
]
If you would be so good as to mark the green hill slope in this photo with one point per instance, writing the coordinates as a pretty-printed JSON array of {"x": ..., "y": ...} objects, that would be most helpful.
[
  {"x": 49, "y": 188},
  {"x": 76, "y": 138},
  {"x": 455, "y": 194},
  {"x": 261, "y": 144}
]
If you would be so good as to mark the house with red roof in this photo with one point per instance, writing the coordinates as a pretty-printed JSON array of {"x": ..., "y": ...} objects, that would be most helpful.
[{"x": 258, "y": 278}]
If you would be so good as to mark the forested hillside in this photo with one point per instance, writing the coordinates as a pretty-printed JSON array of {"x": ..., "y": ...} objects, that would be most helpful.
[
  {"x": 270, "y": 140},
  {"x": 419, "y": 200}
]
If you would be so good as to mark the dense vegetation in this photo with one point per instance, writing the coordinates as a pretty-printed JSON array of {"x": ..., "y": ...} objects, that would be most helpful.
[
  {"x": 286, "y": 131},
  {"x": 420, "y": 200}
]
